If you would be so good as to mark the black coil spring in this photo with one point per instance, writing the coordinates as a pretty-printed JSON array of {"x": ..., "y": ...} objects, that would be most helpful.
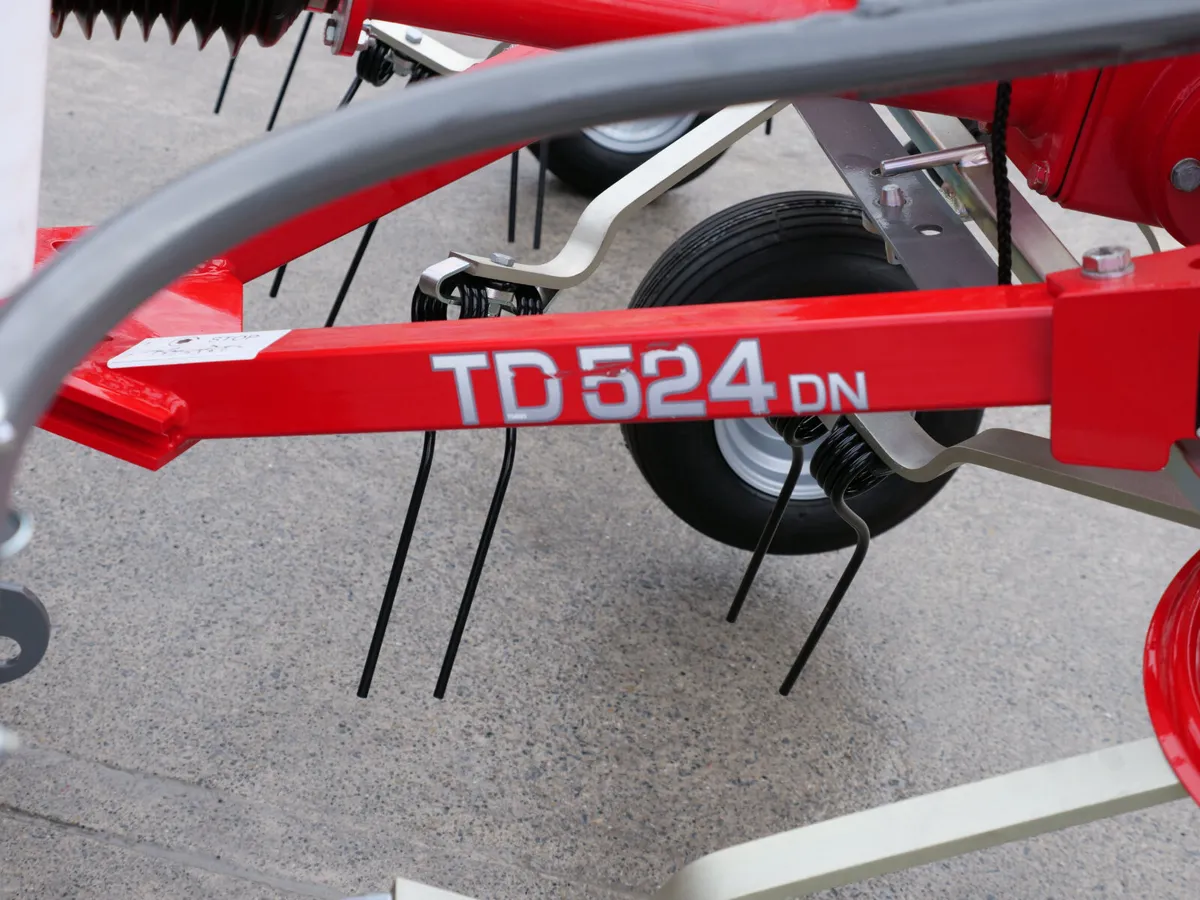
[
  {"x": 797, "y": 430},
  {"x": 473, "y": 300},
  {"x": 845, "y": 463},
  {"x": 426, "y": 308},
  {"x": 374, "y": 64},
  {"x": 420, "y": 73},
  {"x": 528, "y": 300}
]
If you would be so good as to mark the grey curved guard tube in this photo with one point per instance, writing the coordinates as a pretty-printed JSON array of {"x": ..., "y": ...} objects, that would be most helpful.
[{"x": 890, "y": 46}]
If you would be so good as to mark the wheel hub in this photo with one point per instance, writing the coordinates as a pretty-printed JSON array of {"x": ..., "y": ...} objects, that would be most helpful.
[
  {"x": 759, "y": 457},
  {"x": 641, "y": 135}
]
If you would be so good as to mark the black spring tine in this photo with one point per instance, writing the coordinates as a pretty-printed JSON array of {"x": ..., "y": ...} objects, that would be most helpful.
[
  {"x": 225, "y": 84},
  {"x": 350, "y": 92},
  {"x": 419, "y": 75},
  {"x": 287, "y": 77},
  {"x": 862, "y": 543},
  {"x": 351, "y": 272},
  {"x": 768, "y": 125},
  {"x": 768, "y": 533},
  {"x": 393, "y": 583},
  {"x": 349, "y": 95},
  {"x": 485, "y": 540},
  {"x": 278, "y": 280},
  {"x": 543, "y": 152},
  {"x": 512, "y": 196}
]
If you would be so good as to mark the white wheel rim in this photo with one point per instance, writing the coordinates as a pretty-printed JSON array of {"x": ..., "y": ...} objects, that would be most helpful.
[
  {"x": 641, "y": 135},
  {"x": 760, "y": 458}
]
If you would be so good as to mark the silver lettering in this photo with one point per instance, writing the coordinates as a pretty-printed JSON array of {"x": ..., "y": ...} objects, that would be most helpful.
[
  {"x": 796, "y": 382},
  {"x": 509, "y": 360},
  {"x": 839, "y": 388},
  {"x": 462, "y": 364}
]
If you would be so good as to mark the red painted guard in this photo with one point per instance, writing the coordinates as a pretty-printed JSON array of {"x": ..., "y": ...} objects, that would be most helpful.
[
  {"x": 125, "y": 415},
  {"x": 1172, "y": 675}
]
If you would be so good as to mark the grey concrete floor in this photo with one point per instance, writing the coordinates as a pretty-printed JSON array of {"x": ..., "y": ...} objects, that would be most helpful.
[{"x": 194, "y": 732}]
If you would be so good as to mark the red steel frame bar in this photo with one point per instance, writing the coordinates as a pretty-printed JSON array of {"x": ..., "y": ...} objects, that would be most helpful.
[
  {"x": 557, "y": 24},
  {"x": 1050, "y": 343}
]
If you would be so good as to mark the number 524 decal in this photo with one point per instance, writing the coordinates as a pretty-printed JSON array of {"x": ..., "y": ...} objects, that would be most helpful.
[{"x": 617, "y": 385}]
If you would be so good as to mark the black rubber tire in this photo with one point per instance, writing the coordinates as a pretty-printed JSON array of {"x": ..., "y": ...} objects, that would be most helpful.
[
  {"x": 795, "y": 244},
  {"x": 589, "y": 169}
]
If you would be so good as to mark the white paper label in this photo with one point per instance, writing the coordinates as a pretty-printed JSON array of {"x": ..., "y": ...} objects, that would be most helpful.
[{"x": 187, "y": 349}]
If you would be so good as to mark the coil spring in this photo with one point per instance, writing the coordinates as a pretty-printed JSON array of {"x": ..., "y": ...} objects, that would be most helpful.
[
  {"x": 374, "y": 64},
  {"x": 473, "y": 300},
  {"x": 426, "y": 308},
  {"x": 265, "y": 20},
  {"x": 797, "y": 430},
  {"x": 420, "y": 73},
  {"x": 528, "y": 300},
  {"x": 845, "y": 464}
]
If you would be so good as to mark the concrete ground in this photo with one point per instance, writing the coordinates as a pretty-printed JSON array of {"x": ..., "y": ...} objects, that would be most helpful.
[{"x": 194, "y": 731}]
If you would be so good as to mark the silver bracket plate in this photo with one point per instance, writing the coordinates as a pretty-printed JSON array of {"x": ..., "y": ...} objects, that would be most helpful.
[
  {"x": 910, "y": 452},
  {"x": 417, "y": 46},
  {"x": 1037, "y": 249},
  {"x": 927, "y": 236},
  {"x": 588, "y": 244}
]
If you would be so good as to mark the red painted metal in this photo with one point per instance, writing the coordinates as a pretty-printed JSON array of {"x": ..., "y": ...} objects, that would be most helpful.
[
  {"x": 1117, "y": 360},
  {"x": 1045, "y": 119},
  {"x": 1171, "y": 675},
  {"x": 921, "y": 350},
  {"x": 557, "y": 24},
  {"x": 1144, "y": 119},
  {"x": 123, "y": 415},
  {"x": 1122, "y": 345},
  {"x": 319, "y": 226}
]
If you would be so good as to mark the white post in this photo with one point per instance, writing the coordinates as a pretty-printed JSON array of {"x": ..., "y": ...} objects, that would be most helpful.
[{"x": 24, "y": 50}]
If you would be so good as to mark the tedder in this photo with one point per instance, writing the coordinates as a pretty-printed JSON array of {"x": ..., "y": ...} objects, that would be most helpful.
[{"x": 794, "y": 374}]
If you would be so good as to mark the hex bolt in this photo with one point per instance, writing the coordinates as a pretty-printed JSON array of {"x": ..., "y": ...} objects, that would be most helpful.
[
  {"x": 1107, "y": 262},
  {"x": 1039, "y": 175},
  {"x": 503, "y": 259},
  {"x": 1186, "y": 175},
  {"x": 414, "y": 35},
  {"x": 891, "y": 196},
  {"x": 331, "y": 29}
]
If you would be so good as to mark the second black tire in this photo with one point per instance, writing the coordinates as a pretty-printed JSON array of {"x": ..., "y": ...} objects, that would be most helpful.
[
  {"x": 793, "y": 244},
  {"x": 590, "y": 164}
]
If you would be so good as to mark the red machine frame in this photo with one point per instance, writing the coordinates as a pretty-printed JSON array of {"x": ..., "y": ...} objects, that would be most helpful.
[
  {"x": 1069, "y": 133},
  {"x": 1095, "y": 348}
]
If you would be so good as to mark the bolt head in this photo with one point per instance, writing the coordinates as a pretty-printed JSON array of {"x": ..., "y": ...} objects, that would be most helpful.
[
  {"x": 1107, "y": 262},
  {"x": 891, "y": 196},
  {"x": 1186, "y": 175},
  {"x": 330, "y": 35},
  {"x": 503, "y": 259},
  {"x": 1039, "y": 175},
  {"x": 414, "y": 35}
]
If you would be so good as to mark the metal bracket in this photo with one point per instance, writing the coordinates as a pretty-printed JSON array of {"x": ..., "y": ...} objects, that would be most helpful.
[
  {"x": 967, "y": 157},
  {"x": 919, "y": 830},
  {"x": 1037, "y": 249},
  {"x": 416, "y": 46},
  {"x": 910, "y": 452},
  {"x": 1183, "y": 466},
  {"x": 925, "y": 234},
  {"x": 593, "y": 234}
]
